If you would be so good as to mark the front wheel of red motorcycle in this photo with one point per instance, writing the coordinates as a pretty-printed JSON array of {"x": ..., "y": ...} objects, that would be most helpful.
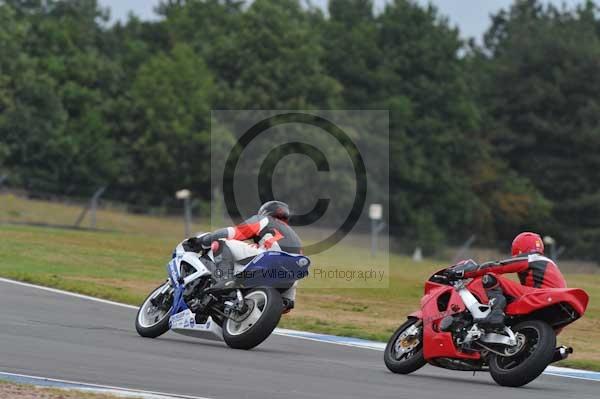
[
  {"x": 523, "y": 364},
  {"x": 404, "y": 351}
]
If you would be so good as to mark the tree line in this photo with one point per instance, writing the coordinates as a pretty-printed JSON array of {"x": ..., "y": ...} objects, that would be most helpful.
[{"x": 489, "y": 138}]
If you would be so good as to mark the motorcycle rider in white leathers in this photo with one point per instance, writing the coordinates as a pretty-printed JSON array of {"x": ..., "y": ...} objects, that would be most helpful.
[{"x": 269, "y": 230}]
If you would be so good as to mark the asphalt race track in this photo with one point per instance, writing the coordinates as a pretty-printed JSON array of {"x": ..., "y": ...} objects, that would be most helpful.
[{"x": 58, "y": 336}]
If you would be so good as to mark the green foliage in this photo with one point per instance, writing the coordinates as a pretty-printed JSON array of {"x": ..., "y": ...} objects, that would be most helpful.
[
  {"x": 485, "y": 139},
  {"x": 543, "y": 110},
  {"x": 170, "y": 99},
  {"x": 54, "y": 95}
]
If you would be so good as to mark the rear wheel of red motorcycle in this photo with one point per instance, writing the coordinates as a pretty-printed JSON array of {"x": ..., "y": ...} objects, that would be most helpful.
[
  {"x": 404, "y": 351},
  {"x": 537, "y": 341}
]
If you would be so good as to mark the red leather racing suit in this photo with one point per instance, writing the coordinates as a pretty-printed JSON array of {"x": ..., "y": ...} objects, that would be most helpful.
[
  {"x": 267, "y": 232},
  {"x": 534, "y": 270}
]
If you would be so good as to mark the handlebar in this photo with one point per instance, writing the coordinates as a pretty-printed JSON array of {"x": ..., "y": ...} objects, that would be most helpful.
[
  {"x": 440, "y": 278},
  {"x": 447, "y": 277}
]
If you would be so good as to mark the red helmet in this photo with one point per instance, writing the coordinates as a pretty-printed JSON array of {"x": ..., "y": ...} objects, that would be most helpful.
[{"x": 526, "y": 243}]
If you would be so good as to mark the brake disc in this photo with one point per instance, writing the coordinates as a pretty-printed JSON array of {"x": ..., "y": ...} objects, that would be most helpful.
[
  {"x": 238, "y": 317},
  {"x": 408, "y": 340},
  {"x": 513, "y": 350}
]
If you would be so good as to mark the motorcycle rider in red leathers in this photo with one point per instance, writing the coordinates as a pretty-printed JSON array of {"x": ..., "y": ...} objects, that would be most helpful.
[
  {"x": 528, "y": 261},
  {"x": 269, "y": 230}
]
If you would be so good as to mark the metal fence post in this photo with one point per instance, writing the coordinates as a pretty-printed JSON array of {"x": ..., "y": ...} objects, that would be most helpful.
[
  {"x": 464, "y": 249},
  {"x": 93, "y": 205}
]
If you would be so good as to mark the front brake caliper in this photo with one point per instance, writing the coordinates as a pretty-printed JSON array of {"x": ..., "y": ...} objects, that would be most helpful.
[{"x": 407, "y": 340}]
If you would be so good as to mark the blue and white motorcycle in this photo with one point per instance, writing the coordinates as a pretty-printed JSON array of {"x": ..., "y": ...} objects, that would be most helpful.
[{"x": 242, "y": 310}]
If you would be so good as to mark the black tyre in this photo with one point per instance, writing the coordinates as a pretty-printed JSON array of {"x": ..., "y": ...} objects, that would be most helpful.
[
  {"x": 537, "y": 341},
  {"x": 152, "y": 321},
  {"x": 248, "y": 330},
  {"x": 404, "y": 351}
]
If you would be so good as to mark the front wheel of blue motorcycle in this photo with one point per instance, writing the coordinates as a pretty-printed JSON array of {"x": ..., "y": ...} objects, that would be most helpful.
[
  {"x": 152, "y": 319},
  {"x": 247, "y": 330}
]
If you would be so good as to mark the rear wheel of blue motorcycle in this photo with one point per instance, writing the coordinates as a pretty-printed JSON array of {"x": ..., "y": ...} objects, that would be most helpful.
[
  {"x": 252, "y": 329},
  {"x": 151, "y": 321}
]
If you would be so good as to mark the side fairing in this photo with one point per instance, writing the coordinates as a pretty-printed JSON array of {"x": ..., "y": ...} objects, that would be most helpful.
[
  {"x": 174, "y": 269},
  {"x": 441, "y": 301}
]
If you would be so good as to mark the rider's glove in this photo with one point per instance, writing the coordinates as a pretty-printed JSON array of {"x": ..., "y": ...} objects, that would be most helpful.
[
  {"x": 192, "y": 244},
  {"x": 455, "y": 274},
  {"x": 206, "y": 240},
  {"x": 459, "y": 270},
  {"x": 196, "y": 244}
]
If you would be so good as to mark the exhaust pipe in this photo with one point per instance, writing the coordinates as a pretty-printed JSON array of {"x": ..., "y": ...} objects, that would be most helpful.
[{"x": 561, "y": 353}]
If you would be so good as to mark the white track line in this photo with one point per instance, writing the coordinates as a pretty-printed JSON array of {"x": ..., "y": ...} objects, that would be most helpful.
[
  {"x": 357, "y": 343},
  {"x": 57, "y": 291}
]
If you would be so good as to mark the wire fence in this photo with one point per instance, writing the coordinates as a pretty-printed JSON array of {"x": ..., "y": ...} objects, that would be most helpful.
[{"x": 21, "y": 207}]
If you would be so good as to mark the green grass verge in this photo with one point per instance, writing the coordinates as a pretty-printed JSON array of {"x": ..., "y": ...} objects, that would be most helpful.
[{"x": 592, "y": 365}]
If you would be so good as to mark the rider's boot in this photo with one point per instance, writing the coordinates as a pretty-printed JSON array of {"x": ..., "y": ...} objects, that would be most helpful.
[
  {"x": 495, "y": 319},
  {"x": 288, "y": 298}
]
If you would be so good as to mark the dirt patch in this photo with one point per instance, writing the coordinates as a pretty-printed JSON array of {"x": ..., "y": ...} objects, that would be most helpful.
[
  {"x": 135, "y": 286},
  {"x": 15, "y": 391}
]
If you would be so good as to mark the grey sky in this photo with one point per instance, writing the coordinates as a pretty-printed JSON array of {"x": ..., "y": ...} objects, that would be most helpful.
[{"x": 471, "y": 16}]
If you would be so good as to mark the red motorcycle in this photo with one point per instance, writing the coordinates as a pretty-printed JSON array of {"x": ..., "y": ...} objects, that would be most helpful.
[{"x": 444, "y": 333}]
